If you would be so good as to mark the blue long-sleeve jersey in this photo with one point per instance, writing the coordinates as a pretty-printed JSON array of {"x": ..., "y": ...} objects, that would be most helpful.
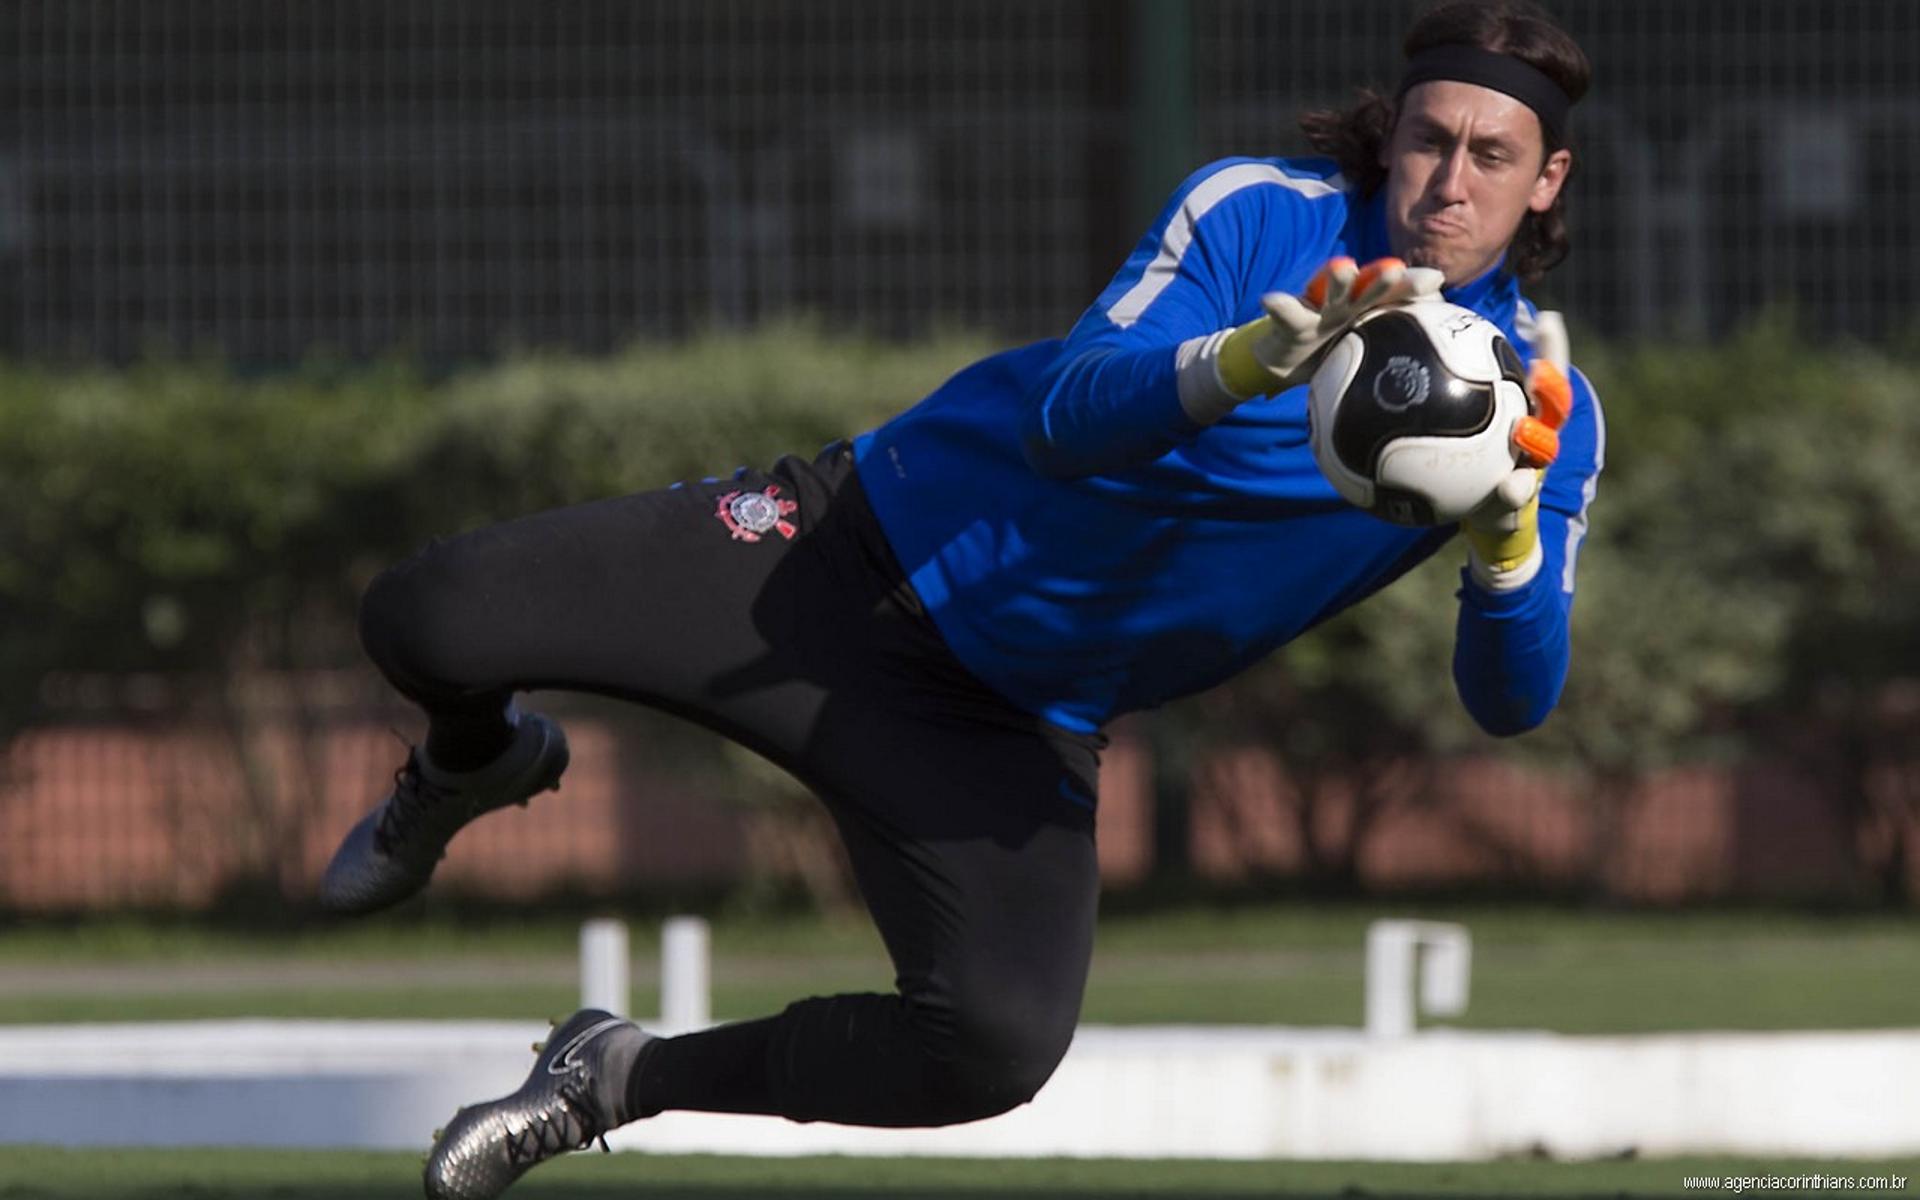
[{"x": 1087, "y": 550}]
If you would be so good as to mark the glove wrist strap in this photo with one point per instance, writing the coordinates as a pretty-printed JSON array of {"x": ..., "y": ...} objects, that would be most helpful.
[
  {"x": 1204, "y": 396},
  {"x": 1504, "y": 577}
]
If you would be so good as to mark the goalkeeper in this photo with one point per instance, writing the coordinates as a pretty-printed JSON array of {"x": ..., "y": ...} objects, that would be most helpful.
[{"x": 931, "y": 625}]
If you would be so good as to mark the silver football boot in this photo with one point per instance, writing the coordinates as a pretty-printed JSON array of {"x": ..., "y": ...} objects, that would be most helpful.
[
  {"x": 575, "y": 1094},
  {"x": 392, "y": 852}
]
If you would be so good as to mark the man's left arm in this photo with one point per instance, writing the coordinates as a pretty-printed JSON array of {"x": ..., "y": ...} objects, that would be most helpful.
[{"x": 1511, "y": 647}]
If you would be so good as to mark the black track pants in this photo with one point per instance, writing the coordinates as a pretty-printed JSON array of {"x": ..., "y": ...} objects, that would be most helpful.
[{"x": 969, "y": 823}]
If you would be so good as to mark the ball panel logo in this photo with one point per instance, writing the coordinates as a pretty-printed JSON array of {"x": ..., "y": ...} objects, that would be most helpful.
[
  {"x": 748, "y": 515},
  {"x": 1401, "y": 384}
]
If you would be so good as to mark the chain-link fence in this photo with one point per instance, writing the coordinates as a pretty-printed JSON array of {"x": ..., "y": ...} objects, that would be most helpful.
[
  {"x": 450, "y": 177},
  {"x": 1733, "y": 156}
]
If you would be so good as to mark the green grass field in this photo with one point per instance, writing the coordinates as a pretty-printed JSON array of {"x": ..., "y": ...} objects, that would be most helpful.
[
  {"x": 256, "y": 1175},
  {"x": 1542, "y": 968}
]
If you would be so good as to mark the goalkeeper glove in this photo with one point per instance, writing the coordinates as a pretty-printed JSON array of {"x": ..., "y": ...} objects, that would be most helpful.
[
  {"x": 1279, "y": 350},
  {"x": 1503, "y": 533}
]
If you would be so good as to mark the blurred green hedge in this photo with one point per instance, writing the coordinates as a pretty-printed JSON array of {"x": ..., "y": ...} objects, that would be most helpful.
[
  {"x": 176, "y": 516},
  {"x": 1750, "y": 578}
]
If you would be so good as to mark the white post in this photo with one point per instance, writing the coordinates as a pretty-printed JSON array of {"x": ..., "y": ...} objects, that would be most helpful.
[
  {"x": 603, "y": 966},
  {"x": 684, "y": 974},
  {"x": 1446, "y": 961},
  {"x": 1390, "y": 952},
  {"x": 1440, "y": 953}
]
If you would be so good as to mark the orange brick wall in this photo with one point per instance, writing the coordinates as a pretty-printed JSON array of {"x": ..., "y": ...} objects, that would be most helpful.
[{"x": 105, "y": 816}]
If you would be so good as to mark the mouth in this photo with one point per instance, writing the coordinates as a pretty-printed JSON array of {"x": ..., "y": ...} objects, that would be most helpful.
[{"x": 1439, "y": 227}]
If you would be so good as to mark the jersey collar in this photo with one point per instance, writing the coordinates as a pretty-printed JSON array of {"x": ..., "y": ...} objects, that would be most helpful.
[{"x": 1492, "y": 294}]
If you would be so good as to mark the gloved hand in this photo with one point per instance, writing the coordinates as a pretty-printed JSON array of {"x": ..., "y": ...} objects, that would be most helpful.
[
  {"x": 1503, "y": 534},
  {"x": 1273, "y": 353}
]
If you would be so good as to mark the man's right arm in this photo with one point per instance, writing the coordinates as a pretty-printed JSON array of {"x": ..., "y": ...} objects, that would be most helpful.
[{"x": 1113, "y": 397}]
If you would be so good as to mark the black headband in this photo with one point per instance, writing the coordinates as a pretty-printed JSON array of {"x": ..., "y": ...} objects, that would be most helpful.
[{"x": 1501, "y": 72}]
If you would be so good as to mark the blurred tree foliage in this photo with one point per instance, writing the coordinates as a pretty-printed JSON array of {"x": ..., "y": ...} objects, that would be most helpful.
[
  {"x": 1749, "y": 586},
  {"x": 1750, "y": 578}
]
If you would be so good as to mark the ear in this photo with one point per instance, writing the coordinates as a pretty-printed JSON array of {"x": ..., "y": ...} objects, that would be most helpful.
[{"x": 1546, "y": 185}]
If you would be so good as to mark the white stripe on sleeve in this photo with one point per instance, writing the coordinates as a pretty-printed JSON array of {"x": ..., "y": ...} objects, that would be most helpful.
[
  {"x": 1577, "y": 527},
  {"x": 1179, "y": 235}
]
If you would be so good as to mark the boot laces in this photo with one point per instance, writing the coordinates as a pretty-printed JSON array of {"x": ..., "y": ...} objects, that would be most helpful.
[
  {"x": 567, "y": 1123},
  {"x": 413, "y": 798}
]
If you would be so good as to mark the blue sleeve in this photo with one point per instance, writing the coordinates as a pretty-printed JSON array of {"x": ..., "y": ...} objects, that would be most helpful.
[
  {"x": 1233, "y": 230},
  {"x": 1511, "y": 650}
]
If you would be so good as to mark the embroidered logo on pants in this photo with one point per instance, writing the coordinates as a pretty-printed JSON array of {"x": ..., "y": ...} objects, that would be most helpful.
[{"x": 747, "y": 515}]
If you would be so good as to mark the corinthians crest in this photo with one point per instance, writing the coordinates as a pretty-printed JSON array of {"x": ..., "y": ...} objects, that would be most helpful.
[{"x": 748, "y": 515}]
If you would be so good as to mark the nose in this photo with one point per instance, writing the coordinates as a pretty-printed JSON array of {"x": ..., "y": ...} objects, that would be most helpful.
[{"x": 1450, "y": 181}]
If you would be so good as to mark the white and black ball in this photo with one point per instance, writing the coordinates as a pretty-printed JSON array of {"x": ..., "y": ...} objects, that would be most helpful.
[{"x": 1412, "y": 410}]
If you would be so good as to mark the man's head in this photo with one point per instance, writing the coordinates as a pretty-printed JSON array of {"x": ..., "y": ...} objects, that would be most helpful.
[{"x": 1472, "y": 151}]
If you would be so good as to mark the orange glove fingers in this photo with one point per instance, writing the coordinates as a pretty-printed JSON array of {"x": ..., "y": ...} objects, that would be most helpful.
[
  {"x": 1551, "y": 393},
  {"x": 1535, "y": 443},
  {"x": 1371, "y": 274},
  {"x": 1316, "y": 291}
]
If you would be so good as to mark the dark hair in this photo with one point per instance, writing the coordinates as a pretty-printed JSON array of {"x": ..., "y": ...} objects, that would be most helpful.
[{"x": 1353, "y": 137}]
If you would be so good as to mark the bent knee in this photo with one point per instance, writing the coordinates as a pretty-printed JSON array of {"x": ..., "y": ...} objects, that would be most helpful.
[
  {"x": 999, "y": 1058},
  {"x": 410, "y": 621},
  {"x": 980, "y": 1087}
]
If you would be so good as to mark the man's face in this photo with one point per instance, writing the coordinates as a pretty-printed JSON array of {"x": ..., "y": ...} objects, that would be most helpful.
[{"x": 1464, "y": 165}]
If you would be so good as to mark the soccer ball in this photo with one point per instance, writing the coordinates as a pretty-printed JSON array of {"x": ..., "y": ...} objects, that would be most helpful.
[{"x": 1412, "y": 409}]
